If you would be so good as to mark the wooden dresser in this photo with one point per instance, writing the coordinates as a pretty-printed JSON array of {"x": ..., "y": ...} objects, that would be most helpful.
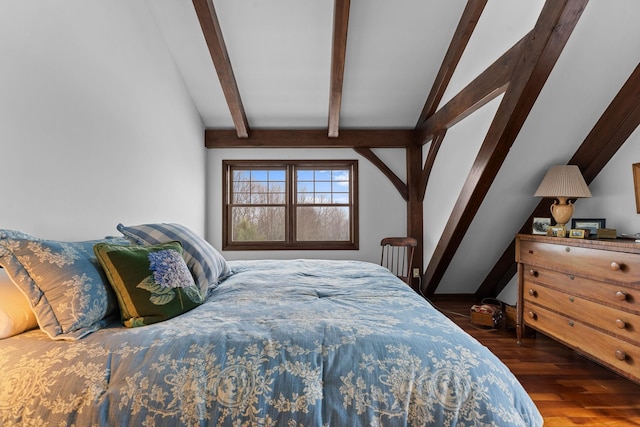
[{"x": 585, "y": 294}]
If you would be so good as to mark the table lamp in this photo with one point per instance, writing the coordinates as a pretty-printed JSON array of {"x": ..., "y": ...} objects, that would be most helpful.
[{"x": 563, "y": 182}]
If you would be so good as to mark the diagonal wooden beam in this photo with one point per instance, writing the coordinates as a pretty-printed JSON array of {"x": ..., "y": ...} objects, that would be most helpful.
[
  {"x": 338, "y": 55},
  {"x": 459, "y": 41},
  {"x": 617, "y": 123},
  {"x": 377, "y": 162},
  {"x": 218, "y": 51},
  {"x": 428, "y": 164},
  {"x": 487, "y": 86},
  {"x": 614, "y": 127},
  {"x": 540, "y": 53}
]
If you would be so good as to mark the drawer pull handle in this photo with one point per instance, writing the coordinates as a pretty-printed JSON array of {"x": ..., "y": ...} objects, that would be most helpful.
[
  {"x": 572, "y": 277},
  {"x": 621, "y": 324},
  {"x": 621, "y": 296},
  {"x": 533, "y": 273},
  {"x": 570, "y": 322},
  {"x": 615, "y": 266},
  {"x": 532, "y": 315},
  {"x": 620, "y": 355},
  {"x": 567, "y": 249},
  {"x": 570, "y": 299},
  {"x": 533, "y": 293}
]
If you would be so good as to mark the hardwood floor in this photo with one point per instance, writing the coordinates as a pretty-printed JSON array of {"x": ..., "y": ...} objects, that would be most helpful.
[{"x": 568, "y": 389}]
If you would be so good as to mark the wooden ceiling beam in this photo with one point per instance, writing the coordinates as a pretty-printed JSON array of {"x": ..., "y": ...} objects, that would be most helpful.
[
  {"x": 540, "y": 53},
  {"x": 415, "y": 205},
  {"x": 338, "y": 56},
  {"x": 458, "y": 43},
  {"x": 430, "y": 161},
  {"x": 491, "y": 83},
  {"x": 386, "y": 170},
  {"x": 218, "y": 51},
  {"x": 310, "y": 138},
  {"x": 614, "y": 127},
  {"x": 617, "y": 123}
]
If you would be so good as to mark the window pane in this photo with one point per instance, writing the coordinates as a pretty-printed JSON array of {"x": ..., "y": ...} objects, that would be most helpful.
[
  {"x": 258, "y": 175},
  {"x": 327, "y": 187},
  {"x": 258, "y": 186},
  {"x": 258, "y": 224},
  {"x": 241, "y": 175},
  {"x": 304, "y": 187},
  {"x": 321, "y": 175},
  {"x": 277, "y": 199},
  {"x": 276, "y": 175},
  {"x": 322, "y": 186},
  {"x": 305, "y": 198},
  {"x": 259, "y": 198},
  {"x": 322, "y": 224},
  {"x": 241, "y": 198},
  {"x": 340, "y": 175},
  {"x": 304, "y": 175},
  {"x": 241, "y": 187},
  {"x": 323, "y": 198},
  {"x": 276, "y": 186},
  {"x": 341, "y": 198},
  {"x": 340, "y": 186}
]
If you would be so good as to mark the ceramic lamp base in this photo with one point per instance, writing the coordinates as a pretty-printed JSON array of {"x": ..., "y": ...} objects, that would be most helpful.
[{"x": 562, "y": 212}]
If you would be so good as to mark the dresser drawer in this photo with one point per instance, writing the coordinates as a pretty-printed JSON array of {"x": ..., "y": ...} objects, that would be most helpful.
[
  {"x": 599, "y": 264},
  {"x": 626, "y": 298},
  {"x": 611, "y": 320},
  {"x": 616, "y": 354}
]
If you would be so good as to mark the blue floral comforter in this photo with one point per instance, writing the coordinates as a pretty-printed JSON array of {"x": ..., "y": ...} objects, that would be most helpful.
[{"x": 287, "y": 343}]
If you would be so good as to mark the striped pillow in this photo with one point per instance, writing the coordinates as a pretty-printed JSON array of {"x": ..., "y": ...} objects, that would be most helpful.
[{"x": 207, "y": 265}]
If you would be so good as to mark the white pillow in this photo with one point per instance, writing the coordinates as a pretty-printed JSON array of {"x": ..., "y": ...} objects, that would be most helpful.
[{"x": 16, "y": 315}]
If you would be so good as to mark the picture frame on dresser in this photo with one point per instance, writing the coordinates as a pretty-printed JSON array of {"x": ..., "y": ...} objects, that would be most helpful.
[
  {"x": 591, "y": 224},
  {"x": 557, "y": 231},
  {"x": 540, "y": 225},
  {"x": 579, "y": 233}
]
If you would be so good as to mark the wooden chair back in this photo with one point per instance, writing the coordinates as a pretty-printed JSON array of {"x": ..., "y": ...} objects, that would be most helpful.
[{"x": 397, "y": 256}]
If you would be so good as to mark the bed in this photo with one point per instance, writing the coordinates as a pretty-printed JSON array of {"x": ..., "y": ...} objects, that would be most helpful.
[{"x": 275, "y": 342}]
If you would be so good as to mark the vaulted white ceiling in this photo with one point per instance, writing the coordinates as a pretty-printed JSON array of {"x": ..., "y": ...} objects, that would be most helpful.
[{"x": 280, "y": 52}]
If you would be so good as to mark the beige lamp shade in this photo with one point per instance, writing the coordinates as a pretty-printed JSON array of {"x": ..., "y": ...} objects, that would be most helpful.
[{"x": 563, "y": 182}]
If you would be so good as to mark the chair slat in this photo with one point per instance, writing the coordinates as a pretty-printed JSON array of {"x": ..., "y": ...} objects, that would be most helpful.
[{"x": 397, "y": 256}]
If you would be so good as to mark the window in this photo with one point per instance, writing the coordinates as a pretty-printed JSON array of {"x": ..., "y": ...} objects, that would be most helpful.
[{"x": 290, "y": 204}]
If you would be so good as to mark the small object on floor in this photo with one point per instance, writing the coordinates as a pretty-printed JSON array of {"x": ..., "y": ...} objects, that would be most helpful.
[{"x": 486, "y": 314}]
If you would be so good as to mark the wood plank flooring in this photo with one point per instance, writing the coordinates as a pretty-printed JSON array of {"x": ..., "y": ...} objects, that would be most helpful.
[{"x": 568, "y": 389}]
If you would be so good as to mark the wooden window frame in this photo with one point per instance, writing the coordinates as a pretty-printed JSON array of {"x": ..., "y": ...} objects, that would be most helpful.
[{"x": 289, "y": 243}]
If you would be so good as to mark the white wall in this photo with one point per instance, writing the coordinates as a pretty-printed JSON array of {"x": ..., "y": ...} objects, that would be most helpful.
[
  {"x": 613, "y": 196},
  {"x": 96, "y": 126},
  {"x": 382, "y": 209},
  {"x": 450, "y": 170}
]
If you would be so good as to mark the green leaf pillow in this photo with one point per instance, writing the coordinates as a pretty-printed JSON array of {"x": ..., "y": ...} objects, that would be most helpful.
[{"x": 152, "y": 282}]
